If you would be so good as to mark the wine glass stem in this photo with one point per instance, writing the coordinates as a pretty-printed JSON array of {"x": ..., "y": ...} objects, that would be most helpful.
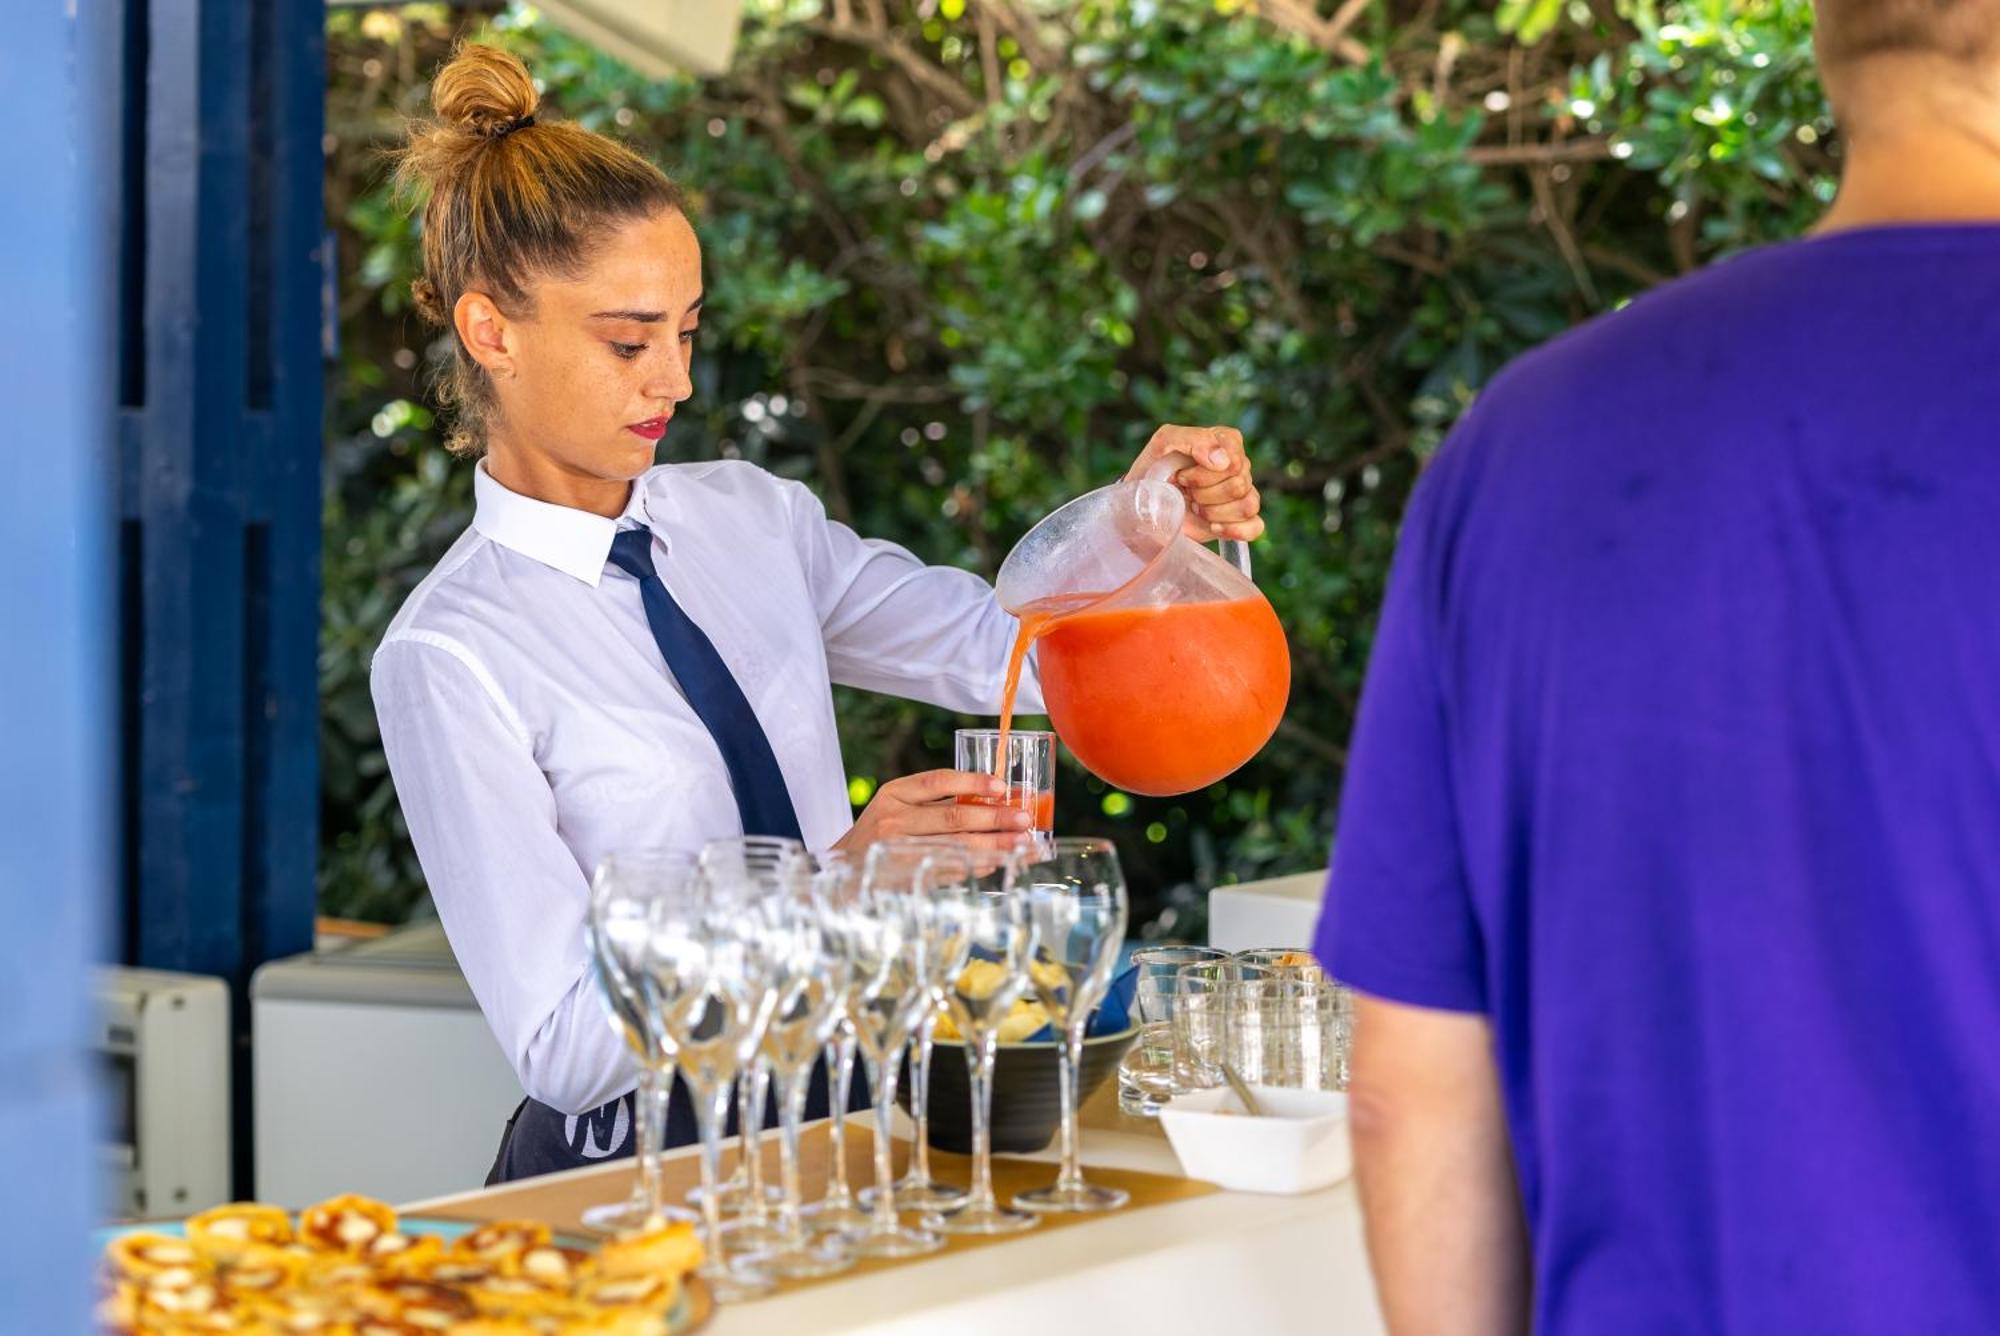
[
  {"x": 979, "y": 1067},
  {"x": 647, "y": 1106},
  {"x": 843, "y": 1083},
  {"x": 1071, "y": 1060},
  {"x": 791, "y": 1113},
  {"x": 711, "y": 1109},
  {"x": 920, "y": 1096},
  {"x": 754, "y": 1087},
  {"x": 882, "y": 1080}
]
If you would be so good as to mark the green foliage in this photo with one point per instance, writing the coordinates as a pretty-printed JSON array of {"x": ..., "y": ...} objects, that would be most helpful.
[{"x": 962, "y": 262}]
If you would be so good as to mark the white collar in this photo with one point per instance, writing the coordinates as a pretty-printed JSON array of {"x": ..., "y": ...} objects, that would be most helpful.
[{"x": 573, "y": 541}]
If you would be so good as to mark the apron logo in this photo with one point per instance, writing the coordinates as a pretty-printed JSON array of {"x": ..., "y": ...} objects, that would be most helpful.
[{"x": 600, "y": 1133}]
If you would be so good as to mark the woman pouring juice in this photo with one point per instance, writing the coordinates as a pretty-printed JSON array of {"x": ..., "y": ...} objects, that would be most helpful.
[{"x": 623, "y": 655}]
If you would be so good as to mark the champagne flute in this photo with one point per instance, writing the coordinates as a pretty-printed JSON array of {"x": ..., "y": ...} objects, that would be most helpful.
[
  {"x": 622, "y": 896},
  {"x": 925, "y": 867},
  {"x": 887, "y": 994},
  {"x": 801, "y": 948},
  {"x": 1000, "y": 933},
  {"x": 759, "y": 865},
  {"x": 713, "y": 1004},
  {"x": 1076, "y": 894},
  {"x": 838, "y": 880}
]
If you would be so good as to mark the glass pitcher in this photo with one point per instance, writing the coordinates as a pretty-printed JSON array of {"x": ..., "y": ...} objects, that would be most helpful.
[{"x": 1163, "y": 666}]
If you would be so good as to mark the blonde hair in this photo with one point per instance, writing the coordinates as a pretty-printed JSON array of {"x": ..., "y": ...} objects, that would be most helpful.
[
  {"x": 1852, "y": 30},
  {"x": 508, "y": 196}
]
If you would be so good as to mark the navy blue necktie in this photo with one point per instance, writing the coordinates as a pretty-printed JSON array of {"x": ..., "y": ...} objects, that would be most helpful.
[{"x": 761, "y": 796}]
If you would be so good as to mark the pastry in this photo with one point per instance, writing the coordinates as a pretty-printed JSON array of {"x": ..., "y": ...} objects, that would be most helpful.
[
  {"x": 345, "y": 1224},
  {"x": 225, "y": 1231},
  {"x": 671, "y": 1249}
]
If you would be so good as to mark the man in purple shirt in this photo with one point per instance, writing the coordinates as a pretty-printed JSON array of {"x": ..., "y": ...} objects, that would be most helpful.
[{"x": 1669, "y": 858}]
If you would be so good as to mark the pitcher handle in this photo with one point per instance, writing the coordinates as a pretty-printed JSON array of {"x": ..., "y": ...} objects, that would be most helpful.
[{"x": 1233, "y": 550}]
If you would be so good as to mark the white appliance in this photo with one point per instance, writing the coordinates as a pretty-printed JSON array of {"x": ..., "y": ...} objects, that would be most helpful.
[
  {"x": 655, "y": 37},
  {"x": 375, "y": 1073},
  {"x": 164, "y": 1042},
  {"x": 1282, "y": 911}
]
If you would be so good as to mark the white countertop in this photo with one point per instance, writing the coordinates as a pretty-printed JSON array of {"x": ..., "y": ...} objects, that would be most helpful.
[{"x": 1221, "y": 1264}]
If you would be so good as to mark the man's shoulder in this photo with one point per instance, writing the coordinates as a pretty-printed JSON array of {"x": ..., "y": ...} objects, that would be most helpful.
[{"x": 1706, "y": 321}]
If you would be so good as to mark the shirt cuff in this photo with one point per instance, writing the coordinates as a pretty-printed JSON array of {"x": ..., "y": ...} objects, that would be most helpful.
[{"x": 1417, "y": 987}]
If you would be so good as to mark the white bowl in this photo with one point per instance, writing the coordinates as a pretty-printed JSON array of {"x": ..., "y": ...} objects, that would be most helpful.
[{"x": 1300, "y": 1145}]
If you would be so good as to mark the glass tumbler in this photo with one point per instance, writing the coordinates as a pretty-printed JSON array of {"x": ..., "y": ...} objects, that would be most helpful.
[
  {"x": 1029, "y": 770},
  {"x": 1146, "y": 1072}
]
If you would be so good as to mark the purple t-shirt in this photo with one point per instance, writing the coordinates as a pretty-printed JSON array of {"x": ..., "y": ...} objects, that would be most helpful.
[{"x": 1679, "y": 759}]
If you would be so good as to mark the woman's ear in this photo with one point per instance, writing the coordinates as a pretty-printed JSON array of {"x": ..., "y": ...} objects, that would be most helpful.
[{"x": 484, "y": 330}]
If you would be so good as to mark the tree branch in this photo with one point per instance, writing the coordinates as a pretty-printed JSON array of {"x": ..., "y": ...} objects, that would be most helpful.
[
  {"x": 839, "y": 385},
  {"x": 1516, "y": 155},
  {"x": 1299, "y": 16},
  {"x": 1022, "y": 29},
  {"x": 898, "y": 53}
]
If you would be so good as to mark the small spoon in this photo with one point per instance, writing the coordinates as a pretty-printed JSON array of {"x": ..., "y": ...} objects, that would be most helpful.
[{"x": 1242, "y": 1091}]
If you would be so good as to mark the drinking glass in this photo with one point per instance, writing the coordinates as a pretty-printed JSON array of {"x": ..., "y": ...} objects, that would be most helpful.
[
  {"x": 758, "y": 866},
  {"x": 1000, "y": 934},
  {"x": 800, "y": 947},
  {"x": 1342, "y": 1054},
  {"x": 838, "y": 880},
  {"x": 713, "y": 1002},
  {"x": 1076, "y": 895},
  {"x": 622, "y": 896},
  {"x": 1146, "y": 1072},
  {"x": 933, "y": 870},
  {"x": 1326, "y": 1029},
  {"x": 1282, "y": 962},
  {"x": 1029, "y": 770},
  {"x": 1261, "y": 1033},
  {"x": 1199, "y": 1026},
  {"x": 887, "y": 995}
]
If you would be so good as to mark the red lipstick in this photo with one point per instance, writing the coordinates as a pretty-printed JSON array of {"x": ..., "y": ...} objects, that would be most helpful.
[{"x": 652, "y": 428}]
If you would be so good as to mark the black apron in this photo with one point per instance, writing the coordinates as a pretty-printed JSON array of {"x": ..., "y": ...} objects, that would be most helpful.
[{"x": 539, "y": 1140}]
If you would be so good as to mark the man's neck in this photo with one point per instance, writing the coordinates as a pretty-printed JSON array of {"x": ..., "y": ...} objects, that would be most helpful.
[{"x": 1923, "y": 147}]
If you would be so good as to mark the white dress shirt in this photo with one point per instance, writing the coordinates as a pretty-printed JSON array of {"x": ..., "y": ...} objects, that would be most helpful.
[{"x": 532, "y": 726}]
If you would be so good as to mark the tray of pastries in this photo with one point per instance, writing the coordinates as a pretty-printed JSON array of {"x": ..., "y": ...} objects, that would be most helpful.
[{"x": 351, "y": 1267}]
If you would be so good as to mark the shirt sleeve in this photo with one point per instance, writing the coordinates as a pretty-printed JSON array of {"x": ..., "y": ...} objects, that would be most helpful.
[
  {"x": 894, "y": 625},
  {"x": 510, "y": 893},
  {"x": 1398, "y": 920}
]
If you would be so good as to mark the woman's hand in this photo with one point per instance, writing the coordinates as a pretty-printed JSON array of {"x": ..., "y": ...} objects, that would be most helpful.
[
  {"x": 928, "y": 804},
  {"x": 1222, "y": 498}
]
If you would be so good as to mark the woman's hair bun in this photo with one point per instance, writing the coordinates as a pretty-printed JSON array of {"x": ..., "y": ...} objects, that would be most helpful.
[{"x": 484, "y": 90}]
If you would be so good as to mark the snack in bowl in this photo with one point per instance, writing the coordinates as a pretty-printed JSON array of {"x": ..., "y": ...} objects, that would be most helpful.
[
  {"x": 351, "y": 1268},
  {"x": 1026, "y": 1069},
  {"x": 1027, "y": 1017}
]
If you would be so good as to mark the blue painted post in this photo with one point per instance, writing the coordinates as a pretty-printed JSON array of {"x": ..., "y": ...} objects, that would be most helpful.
[
  {"x": 220, "y": 532},
  {"x": 58, "y": 787}
]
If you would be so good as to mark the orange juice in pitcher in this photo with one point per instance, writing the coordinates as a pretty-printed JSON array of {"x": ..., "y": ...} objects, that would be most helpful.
[{"x": 1163, "y": 666}]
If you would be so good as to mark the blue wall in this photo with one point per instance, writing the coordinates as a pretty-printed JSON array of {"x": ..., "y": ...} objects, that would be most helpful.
[
  {"x": 58, "y": 780},
  {"x": 218, "y": 375}
]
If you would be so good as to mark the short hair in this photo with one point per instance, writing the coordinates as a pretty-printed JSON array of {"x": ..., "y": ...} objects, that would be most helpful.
[{"x": 1853, "y": 30}]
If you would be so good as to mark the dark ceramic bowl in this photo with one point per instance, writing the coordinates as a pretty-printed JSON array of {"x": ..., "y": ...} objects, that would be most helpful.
[{"x": 1027, "y": 1094}]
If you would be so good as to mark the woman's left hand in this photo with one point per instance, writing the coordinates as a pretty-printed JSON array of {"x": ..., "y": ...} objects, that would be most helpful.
[{"x": 1222, "y": 498}]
